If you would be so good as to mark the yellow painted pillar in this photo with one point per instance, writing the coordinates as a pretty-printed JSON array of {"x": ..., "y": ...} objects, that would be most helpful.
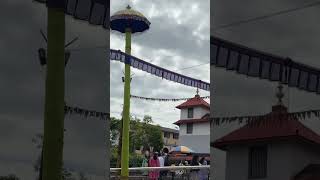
[{"x": 126, "y": 112}]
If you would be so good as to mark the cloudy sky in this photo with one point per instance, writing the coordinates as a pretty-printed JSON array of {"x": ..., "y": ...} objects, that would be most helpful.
[
  {"x": 178, "y": 38},
  {"x": 22, "y": 90},
  {"x": 292, "y": 35}
]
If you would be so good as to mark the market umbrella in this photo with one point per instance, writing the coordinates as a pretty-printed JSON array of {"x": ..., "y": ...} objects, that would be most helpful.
[
  {"x": 182, "y": 149},
  {"x": 129, "y": 18}
]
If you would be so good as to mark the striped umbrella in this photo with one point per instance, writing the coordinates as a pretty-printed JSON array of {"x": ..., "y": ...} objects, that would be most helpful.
[{"x": 182, "y": 149}]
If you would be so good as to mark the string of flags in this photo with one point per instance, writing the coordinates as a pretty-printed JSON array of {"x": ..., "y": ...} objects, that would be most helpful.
[
  {"x": 164, "y": 99},
  {"x": 117, "y": 55},
  {"x": 302, "y": 115},
  {"x": 86, "y": 113},
  {"x": 254, "y": 63}
]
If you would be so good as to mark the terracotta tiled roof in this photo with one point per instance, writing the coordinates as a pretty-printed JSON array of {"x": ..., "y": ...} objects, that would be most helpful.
[
  {"x": 272, "y": 127},
  {"x": 196, "y": 101},
  {"x": 203, "y": 119},
  {"x": 187, "y": 121},
  {"x": 206, "y": 116}
]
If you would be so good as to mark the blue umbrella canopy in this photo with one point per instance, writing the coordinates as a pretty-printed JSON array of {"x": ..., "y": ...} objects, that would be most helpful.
[
  {"x": 129, "y": 18},
  {"x": 182, "y": 149}
]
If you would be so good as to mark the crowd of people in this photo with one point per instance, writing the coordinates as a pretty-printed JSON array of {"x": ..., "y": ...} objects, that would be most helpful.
[{"x": 161, "y": 159}]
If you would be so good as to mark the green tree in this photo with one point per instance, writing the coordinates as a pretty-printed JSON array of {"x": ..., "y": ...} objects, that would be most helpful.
[
  {"x": 136, "y": 134},
  {"x": 119, "y": 132},
  {"x": 82, "y": 176},
  {"x": 154, "y": 137},
  {"x": 38, "y": 141},
  {"x": 115, "y": 127},
  {"x": 67, "y": 175},
  {"x": 142, "y": 134},
  {"x": 147, "y": 119},
  {"x": 146, "y": 134}
]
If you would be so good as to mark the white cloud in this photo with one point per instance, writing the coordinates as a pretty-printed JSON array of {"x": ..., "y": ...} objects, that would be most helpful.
[{"x": 175, "y": 17}]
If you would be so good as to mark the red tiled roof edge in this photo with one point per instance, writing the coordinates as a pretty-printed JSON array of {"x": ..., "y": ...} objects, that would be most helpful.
[
  {"x": 186, "y": 121},
  {"x": 196, "y": 101},
  {"x": 196, "y": 105},
  {"x": 222, "y": 144}
]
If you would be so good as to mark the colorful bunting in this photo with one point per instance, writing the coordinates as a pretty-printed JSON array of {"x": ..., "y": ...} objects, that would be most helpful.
[
  {"x": 157, "y": 71},
  {"x": 254, "y": 63},
  {"x": 302, "y": 115},
  {"x": 86, "y": 113},
  {"x": 164, "y": 99}
]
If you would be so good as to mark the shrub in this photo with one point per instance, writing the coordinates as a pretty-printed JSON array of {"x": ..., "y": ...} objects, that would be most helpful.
[{"x": 135, "y": 160}]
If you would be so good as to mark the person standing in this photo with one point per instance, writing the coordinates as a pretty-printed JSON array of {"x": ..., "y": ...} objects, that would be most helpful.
[
  {"x": 165, "y": 157},
  {"x": 203, "y": 173},
  {"x": 161, "y": 161},
  {"x": 145, "y": 162},
  {"x": 186, "y": 163},
  {"x": 154, "y": 162},
  {"x": 194, "y": 173},
  {"x": 203, "y": 161}
]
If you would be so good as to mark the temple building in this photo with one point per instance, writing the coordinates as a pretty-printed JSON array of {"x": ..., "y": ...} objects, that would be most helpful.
[
  {"x": 194, "y": 125},
  {"x": 278, "y": 147}
]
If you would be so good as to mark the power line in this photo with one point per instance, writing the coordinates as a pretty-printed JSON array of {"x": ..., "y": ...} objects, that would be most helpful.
[
  {"x": 165, "y": 99},
  {"x": 191, "y": 66},
  {"x": 154, "y": 118},
  {"x": 267, "y": 16}
]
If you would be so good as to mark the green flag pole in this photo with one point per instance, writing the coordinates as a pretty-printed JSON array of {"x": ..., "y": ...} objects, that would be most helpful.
[
  {"x": 54, "y": 98},
  {"x": 126, "y": 113}
]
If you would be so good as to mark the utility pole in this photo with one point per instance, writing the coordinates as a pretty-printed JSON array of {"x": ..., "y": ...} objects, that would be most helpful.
[{"x": 54, "y": 95}]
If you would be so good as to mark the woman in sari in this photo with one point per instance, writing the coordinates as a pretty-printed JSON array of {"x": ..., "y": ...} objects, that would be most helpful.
[{"x": 154, "y": 162}]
